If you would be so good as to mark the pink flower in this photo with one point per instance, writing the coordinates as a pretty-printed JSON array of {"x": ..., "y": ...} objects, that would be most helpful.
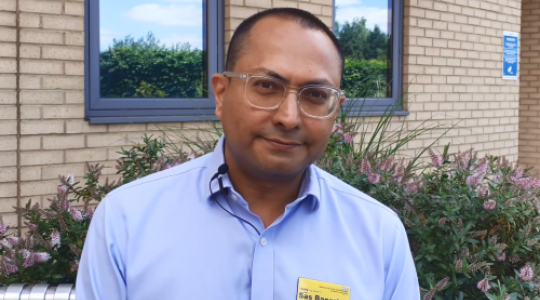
[
  {"x": 490, "y": 204},
  {"x": 374, "y": 178},
  {"x": 475, "y": 179},
  {"x": 337, "y": 127},
  {"x": 67, "y": 205},
  {"x": 9, "y": 266},
  {"x": 535, "y": 182},
  {"x": 502, "y": 257},
  {"x": 70, "y": 178},
  {"x": 483, "y": 192},
  {"x": 61, "y": 189},
  {"x": 6, "y": 244},
  {"x": 42, "y": 257},
  {"x": 435, "y": 159},
  {"x": 14, "y": 241},
  {"x": 411, "y": 188},
  {"x": 76, "y": 214},
  {"x": 516, "y": 175},
  {"x": 483, "y": 168},
  {"x": 347, "y": 138},
  {"x": 515, "y": 259},
  {"x": 526, "y": 273},
  {"x": 32, "y": 227},
  {"x": 398, "y": 174},
  {"x": 55, "y": 238},
  {"x": 385, "y": 164},
  {"x": 527, "y": 183},
  {"x": 191, "y": 156},
  {"x": 483, "y": 285},
  {"x": 28, "y": 258},
  {"x": 365, "y": 166},
  {"x": 3, "y": 228}
]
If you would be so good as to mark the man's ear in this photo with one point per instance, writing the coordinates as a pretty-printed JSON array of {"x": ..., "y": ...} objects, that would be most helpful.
[{"x": 220, "y": 83}]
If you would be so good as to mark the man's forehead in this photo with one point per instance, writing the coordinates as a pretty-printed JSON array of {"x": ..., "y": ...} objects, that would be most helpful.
[{"x": 273, "y": 39}]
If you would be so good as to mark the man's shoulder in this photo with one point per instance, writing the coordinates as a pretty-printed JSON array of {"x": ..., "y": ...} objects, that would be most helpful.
[
  {"x": 352, "y": 197},
  {"x": 161, "y": 179}
]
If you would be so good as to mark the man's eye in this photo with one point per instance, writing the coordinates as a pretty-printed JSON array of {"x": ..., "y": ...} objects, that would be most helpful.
[
  {"x": 317, "y": 95},
  {"x": 267, "y": 85}
]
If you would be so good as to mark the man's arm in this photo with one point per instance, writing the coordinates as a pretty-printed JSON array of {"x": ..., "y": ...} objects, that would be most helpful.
[
  {"x": 401, "y": 279},
  {"x": 102, "y": 269}
]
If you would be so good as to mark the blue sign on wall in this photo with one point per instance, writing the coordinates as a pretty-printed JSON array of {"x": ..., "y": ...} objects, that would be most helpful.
[{"x": 510, "y": 55}]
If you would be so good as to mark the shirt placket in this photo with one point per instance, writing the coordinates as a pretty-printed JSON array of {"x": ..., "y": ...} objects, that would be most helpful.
[
  {"x": 262, "y": 269},
  {"x": 262, "y": 272},
  {"x": 262, "y": 276}
]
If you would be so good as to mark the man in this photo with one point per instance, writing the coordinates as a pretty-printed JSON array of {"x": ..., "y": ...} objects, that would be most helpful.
[{"x": 271, "y": 225}]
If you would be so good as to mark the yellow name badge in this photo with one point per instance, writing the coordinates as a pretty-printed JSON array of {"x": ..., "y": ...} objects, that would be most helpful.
[{"x": 309, "y": 289}]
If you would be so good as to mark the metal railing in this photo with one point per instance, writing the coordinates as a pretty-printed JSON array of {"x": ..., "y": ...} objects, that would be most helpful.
[{"x": 37, "y": 292}]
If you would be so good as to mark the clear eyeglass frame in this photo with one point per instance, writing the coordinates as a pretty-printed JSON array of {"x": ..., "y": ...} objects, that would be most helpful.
[{"x": 246, "y": 77}]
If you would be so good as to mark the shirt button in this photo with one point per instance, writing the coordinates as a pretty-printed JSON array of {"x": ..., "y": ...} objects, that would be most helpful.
[
  {"x": 264, "y": 242},
  {"x": 234, "y": 197}
]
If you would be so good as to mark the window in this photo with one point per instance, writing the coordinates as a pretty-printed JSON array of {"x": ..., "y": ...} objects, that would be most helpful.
[
  {"x": 370, "y": 33},
  {"x": 152, "y": 60}
]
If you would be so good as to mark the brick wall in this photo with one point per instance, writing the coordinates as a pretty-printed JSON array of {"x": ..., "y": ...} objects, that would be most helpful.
[
  {"x": 453, "y": 62},
  {"x": 8, "y": 110},
  {"x": 529, "y": 125}
]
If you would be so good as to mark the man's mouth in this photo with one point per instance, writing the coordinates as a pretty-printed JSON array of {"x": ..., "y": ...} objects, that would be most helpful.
[{"x": 283, "y": 144}]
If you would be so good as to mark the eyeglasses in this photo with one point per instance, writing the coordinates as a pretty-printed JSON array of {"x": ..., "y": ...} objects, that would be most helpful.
[{"x": 268, "y": 93}]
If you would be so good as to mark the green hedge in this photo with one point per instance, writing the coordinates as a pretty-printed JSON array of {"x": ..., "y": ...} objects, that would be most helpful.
[
  {"x": 365, "y": 78},
  {"x": 133, "y": 70}
]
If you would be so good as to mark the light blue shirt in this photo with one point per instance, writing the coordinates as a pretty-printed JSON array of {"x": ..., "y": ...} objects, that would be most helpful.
[{"x": 163, "y": 237}]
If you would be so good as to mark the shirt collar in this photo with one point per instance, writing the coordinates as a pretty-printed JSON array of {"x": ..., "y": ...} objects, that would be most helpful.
[{"x": 309, "y": 190}]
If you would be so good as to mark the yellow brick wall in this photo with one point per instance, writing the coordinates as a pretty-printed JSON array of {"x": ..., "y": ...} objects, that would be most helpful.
[
  {"x": 529, "y": 125},
  {"x": 452, "y": 64},
  {"x": 8, "y": 110}
]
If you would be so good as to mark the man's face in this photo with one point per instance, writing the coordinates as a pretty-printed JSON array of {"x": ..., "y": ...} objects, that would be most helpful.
[{"x": 277, "y": 143}]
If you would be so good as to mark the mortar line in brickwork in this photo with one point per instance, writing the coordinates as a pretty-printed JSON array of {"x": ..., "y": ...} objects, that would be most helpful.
[{"x": 18, "y": 104}]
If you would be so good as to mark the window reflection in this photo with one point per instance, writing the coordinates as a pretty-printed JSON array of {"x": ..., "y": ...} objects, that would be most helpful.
[
  {"x": 363, "y": 28},
  {"x": 153, "y": 49}
]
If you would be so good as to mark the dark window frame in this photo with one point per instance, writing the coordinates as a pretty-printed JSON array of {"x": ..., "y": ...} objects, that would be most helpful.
[
  {"x": 100, "y": 110},
  {"x": 380, "y": 106}
]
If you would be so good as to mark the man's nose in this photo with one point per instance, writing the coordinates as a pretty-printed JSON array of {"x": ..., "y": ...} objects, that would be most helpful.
[{"x": 288, "y": 114}]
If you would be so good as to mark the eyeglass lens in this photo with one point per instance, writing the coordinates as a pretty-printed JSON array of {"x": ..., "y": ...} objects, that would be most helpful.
[{"x": 267, "y": 93}]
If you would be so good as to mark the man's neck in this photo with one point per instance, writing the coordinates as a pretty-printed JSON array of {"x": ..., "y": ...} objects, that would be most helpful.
[{"x": 267, "y": 197}]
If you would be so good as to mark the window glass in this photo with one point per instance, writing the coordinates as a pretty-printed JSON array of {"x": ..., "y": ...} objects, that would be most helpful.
[
  {"x": 153, "y": 49},
  {"x": 363, "y": 28}
]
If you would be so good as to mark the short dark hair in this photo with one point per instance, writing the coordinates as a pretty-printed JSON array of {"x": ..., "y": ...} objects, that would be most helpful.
[{"x": 302, "y": 17}]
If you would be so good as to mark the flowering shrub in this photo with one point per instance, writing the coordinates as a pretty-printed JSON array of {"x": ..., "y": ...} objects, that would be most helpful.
[
  {"x": 51, "y": 250},
  {"x": 473, "y": 223}
]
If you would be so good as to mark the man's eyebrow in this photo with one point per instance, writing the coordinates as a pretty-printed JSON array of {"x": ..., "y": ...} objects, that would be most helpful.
[
  {"x": 320, "y": 81},
  {"x": 271, "y": 73}
]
